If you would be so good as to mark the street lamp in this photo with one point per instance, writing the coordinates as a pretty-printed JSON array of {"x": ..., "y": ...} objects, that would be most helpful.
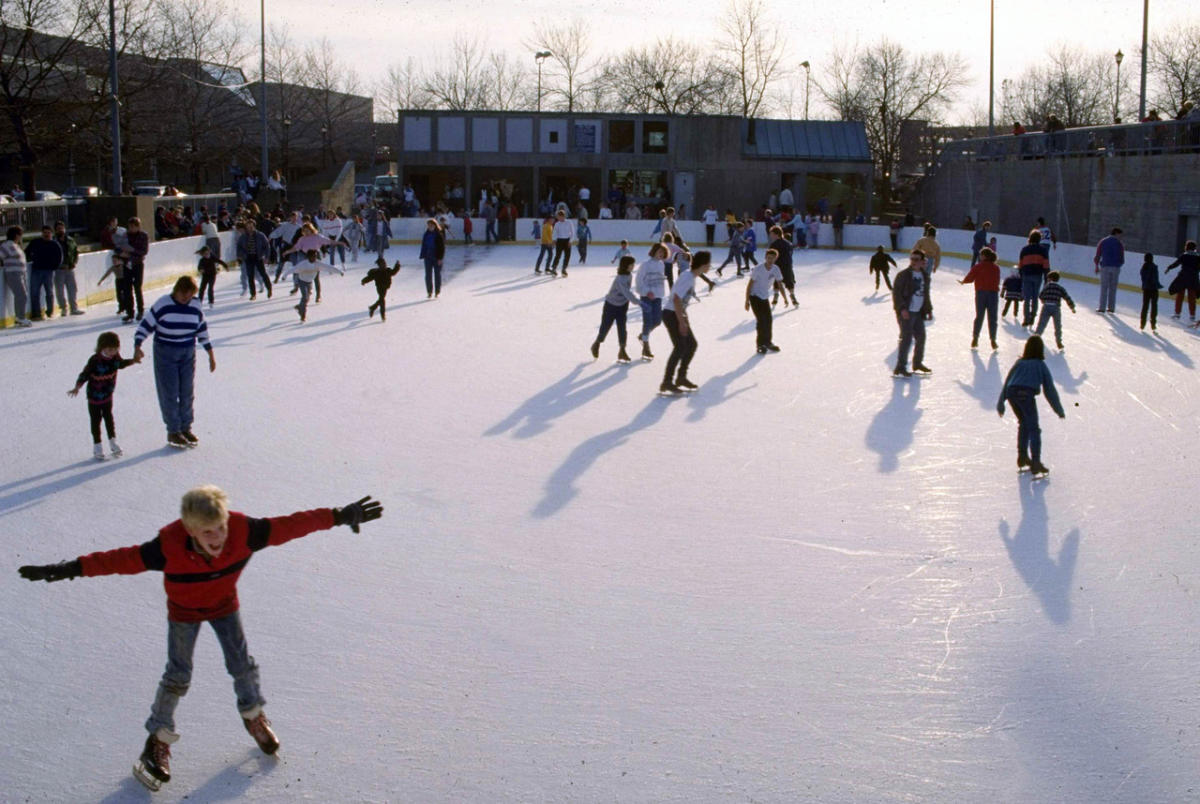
[
  {"x": 324, "y": 131},
  {"x": 1120, "y": 57},
  {"x": 287, "y": 125},
  {"x": 540, "y": 57},
  {"x": 807, "y": 74},
  {"x": 71, "y": 156}
]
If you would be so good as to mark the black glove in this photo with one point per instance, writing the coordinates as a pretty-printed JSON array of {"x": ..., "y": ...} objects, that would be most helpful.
[
  {"x": 68, "y": 570},
  {"x": 356, "y": 513}
]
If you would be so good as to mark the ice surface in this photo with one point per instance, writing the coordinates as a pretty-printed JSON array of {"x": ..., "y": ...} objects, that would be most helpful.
[{"x": 805, "y": 582}]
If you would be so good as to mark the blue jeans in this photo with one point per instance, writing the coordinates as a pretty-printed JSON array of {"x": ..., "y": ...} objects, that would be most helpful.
[
  {"x": 1051, "y": 311},
  {"x": 987, "y": 302},
  {"x": 305, "y": 289},
  {"x": 41, "y": 281},
  {"x": 546, "y": 251},
  {"x": 1023, "y": 402},
  {"x": 433, "y": 275},
  {"x": 174, "y": 376},
  {"x": 1110, "y": 275},
  {"x": 1031, "y": 286},
  {"x": 613, "y": 314},
  {"x": 651, "y": 316},
  {"x": 181, "y": 643}
]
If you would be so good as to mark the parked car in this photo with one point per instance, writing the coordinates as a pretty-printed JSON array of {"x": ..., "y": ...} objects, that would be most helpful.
[
  {"x": 148, "y": 188},
  {"x": 39, "y": 195},
  {"x": 87, "y": 191},
  {"x": 7, "y": 199}
]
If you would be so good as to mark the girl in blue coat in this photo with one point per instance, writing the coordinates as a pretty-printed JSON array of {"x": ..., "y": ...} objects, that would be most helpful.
[{"x": 1020, "y": 390}]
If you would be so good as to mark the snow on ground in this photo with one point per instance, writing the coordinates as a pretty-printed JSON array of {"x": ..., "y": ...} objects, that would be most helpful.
[{"x": 805, "y": 582}]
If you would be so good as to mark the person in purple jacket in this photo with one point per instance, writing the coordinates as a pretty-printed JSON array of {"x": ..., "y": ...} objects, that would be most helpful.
[{"x": 1110, "y": 256}]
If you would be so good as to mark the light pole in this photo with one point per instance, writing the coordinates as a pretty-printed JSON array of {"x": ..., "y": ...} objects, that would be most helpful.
[
  {"x": 1120, "y": 57},
  {"x": 71, "y": 156},
  {"x": 287, "y": 126},
  {"x": 992, "y": 69},
  {"x": 807, "y": 74},
  {"x": 264, "y": 165},
  {"x": 540, "y": 57},
  {"x": 324, "y": 131},
  {"x": 1145, "y": 47},
  {"x": 117, "y": 184}
]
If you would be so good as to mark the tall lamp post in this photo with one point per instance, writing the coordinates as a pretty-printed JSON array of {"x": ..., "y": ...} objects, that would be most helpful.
[
  {"x": 264, "y": 164},
  {"x": 324, "y": 137},
  {"x": 807, "y": 74},
  {"x": 115, "y": 105},
  {"x": 287, "y": 125},
  {"x": 540, "y": 57},
  {"x": 992, "y": 69},
  {"x": 1120, "y": 57},
  {"x": 1145, "y": 47}
]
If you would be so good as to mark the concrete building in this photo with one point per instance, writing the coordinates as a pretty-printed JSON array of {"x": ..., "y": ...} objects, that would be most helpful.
[{"x": 651, "y": 160}]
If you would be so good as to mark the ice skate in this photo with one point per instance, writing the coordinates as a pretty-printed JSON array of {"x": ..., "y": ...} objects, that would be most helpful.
[
  {"x": 260, "y": 729},
  {"x": 596, "y": 349},
  {"x": 177, "y": 441},
  {"x": 114, "y": 448},
  {"x": 922, "y": 369},
  {"x": 190, "y": 438},
  {"x": 668, "y": 389},
  {"x": 1038, "y": 471},
  {"x": 153, "y": 768},
  {"x": 685, "y": 384},
  {"x": 622, "y": 356},
  {"x": 646, "y": 354},
  {"x": 1022, "y": 463},
  {"x": 98, "y": 452}
]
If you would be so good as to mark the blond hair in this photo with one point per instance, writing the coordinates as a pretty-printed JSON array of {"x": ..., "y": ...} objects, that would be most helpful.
[{"x": 204, "y": 505}]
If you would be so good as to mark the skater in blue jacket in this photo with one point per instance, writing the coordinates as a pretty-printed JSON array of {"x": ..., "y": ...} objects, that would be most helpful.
[{"x": 1020, "y": 390}]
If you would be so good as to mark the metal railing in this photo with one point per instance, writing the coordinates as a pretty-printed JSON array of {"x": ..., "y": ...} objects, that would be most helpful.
[
  {"x": 1167, "y": 136},
  {"x": 210, "y": 201},
  {"x": 33, "y": 215}
]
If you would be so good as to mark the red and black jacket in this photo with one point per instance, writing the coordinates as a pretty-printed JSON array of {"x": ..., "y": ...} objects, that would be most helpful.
[{"x": 200, "y": 587}]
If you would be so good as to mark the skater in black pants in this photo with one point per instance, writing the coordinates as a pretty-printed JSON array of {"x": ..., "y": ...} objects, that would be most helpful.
[
  {"x": 202, "y": 555},
  {"x": 675, "y": 319},
  {"x": 381, "y": 275},
  {"x": 616, "y": 307},
  {"x": 1020, "y": 391},
  {"x": 783, "y": 261},
  {"x": 100, "y": 376},
  {"x": 564, "y": 232},
  {"x": 910, "y": 300},
  {"x": 433, "y": 252},
  {"x": 881, "y": 263},
  {"x": 1150, "y": 288},
  {"x": 208, "y": 273},
  {"x": 763, "y": 278}
]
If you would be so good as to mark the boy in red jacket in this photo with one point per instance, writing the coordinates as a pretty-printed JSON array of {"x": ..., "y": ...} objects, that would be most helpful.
[{"x": 201, "y": 556}]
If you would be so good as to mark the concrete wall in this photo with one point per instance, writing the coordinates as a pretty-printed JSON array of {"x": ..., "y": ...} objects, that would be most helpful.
[
  {"x": 1145, "y": 195},
  {"x": 166, "y": 262}
]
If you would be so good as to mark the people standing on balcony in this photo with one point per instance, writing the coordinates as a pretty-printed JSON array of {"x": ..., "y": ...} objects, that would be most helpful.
[
  {"x": 1110, "y": 256},
  {"x": 1188, "y": 281}
]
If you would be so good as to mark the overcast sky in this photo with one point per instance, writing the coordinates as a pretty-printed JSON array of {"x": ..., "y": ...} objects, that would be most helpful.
[{"x": 373, "y": 34}]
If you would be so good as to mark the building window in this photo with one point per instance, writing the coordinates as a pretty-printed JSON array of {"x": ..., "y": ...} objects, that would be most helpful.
[
  {"x": 620, "y": 136},
  {"x": 654, "y": 137},
  {"x": 553, "y": 137}
]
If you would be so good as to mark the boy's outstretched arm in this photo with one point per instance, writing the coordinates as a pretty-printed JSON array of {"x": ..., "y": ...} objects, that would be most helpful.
[{"x": 358, "y": 512}]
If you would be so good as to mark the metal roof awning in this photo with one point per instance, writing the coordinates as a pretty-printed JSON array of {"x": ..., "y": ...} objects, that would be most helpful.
[{"x": 825, "y": 140}]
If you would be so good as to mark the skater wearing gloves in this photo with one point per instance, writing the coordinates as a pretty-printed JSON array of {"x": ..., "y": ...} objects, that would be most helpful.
[
  {"x": 202, "y": 555},
  {"x": 675, "y": 319},
  {"x": 381, "y": 275},
  {"x": 910, "y": 299},
  {"x": 881, "y": 263},
  {"x": 177, "y": 323},
  {"x": 985, "y": 275},
  {"x": 1188, "y": 281},
  {"x": 207, "y": 268},
  {"x": 1052, "y": 297},
  {"x": 763, "y": 278},
  {"x": 651, "y": 283},
  {"x": 616, "y": 307},
  {"x": 100, "y": 376},
  {"x": 433, "y": 252},
  {"x": 1150, "y": 288},
  {"x": 1020, "y": 390},
  {"x": 306, "y": 274}
]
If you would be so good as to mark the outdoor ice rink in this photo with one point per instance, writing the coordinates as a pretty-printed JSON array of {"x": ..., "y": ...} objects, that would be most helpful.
[{"x": 806, "y": 581}]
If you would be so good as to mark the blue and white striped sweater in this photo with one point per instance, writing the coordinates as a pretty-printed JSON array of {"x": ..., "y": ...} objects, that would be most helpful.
[{"x": 173, "y": 323}]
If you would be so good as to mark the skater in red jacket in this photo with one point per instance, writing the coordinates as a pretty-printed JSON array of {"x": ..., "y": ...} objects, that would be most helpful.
[{"x": 201, "y": 556}]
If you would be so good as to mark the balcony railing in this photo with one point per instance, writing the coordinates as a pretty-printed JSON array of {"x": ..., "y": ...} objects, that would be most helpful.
[
  {"x": 31, "y": 216},
  {"x": 1167, "y": 136}
]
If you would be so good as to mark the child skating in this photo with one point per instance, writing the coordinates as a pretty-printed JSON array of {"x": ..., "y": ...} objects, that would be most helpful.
[
  {"x": 1052, "y": 296},
  {"x": 763, "y": 279},
  {"x": 623, "y": 251},
  {"x": 207, "y": 268},
  {"x": 1020, "y": 390},
  {"x": 381, "y": 275},
  {"x": 305, "y": 274},
  {"x": 651, "y": 283},
  {"x": 583, "y": 234},
  {"x": 1011, "y": 290},
  {"x": 736, "y": 236},
  {"x": 985, "y": 275},
  {"x": 201, "y": 556},
  {"x": 616, "y": 308},
  {"x": 546, "y": 242},
  {"x": 100, "y": 376},
  {"x": 1150, "y": 288}
]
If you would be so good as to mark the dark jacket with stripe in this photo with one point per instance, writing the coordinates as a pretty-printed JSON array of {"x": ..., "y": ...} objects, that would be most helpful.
[{"x": 198, "y": 587}]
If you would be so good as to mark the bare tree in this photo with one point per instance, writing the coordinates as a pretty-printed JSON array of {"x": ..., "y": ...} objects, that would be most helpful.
[
  {"x": 1076, "y": 86},
  {"x": 566, "y": 78},
  {"x": 36, "y": 37},
  {"x": 461, "y": 80},
  {"x": 508, "y": 85},
  {"x": 667, "y": 77},
  {"x": 1173, "y": 62},
  {"x": 400, "y": 88},
  {"x": 752, "y": 47},
  {"x": 332, "y": 96},
  {"x": 888, "y": 88}
]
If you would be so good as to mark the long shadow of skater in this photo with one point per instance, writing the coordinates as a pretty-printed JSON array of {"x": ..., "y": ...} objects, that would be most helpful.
[
  {"x": 739, "y": 330},
  {"x": 23, "y": 495},
  {"x": 1139, "y": 338},
  {"x": 891, "y": 431},
  {"x": 875, "y": 298},
  {"x": 535, "y": 414},
  {"x": 715, "y": 390},
  {"x": 1172, "y": 351},
  {"x": 1057, "y": 363},
  {"x": 1029, "y": 551},
  {"x": 987, "y": 381},
  {"x": 560, "y": 487}
]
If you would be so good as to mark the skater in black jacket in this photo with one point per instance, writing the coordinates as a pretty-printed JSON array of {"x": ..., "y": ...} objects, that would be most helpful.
[
  {"x": 381, "y": 275},
  {"x": 100, "y": 376},
  {"x": 881, "y": 263}
]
